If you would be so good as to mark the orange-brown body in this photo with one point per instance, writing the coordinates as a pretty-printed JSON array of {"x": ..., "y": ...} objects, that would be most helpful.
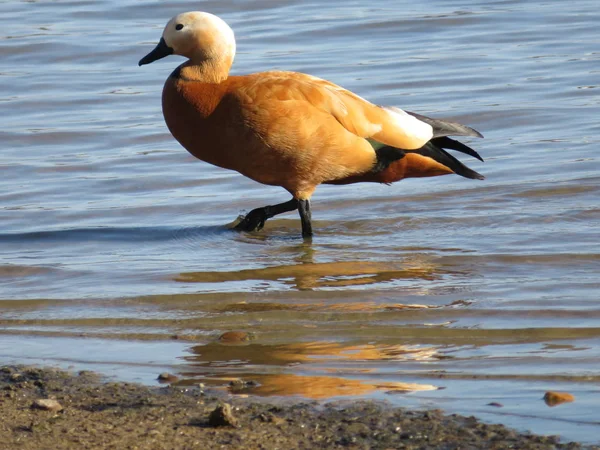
[{"x": 282, "y": 128}]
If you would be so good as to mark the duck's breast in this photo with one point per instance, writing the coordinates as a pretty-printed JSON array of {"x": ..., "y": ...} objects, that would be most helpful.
[
  {"x": 262, "y": 131},
  {"x": 187, "y": 109}
]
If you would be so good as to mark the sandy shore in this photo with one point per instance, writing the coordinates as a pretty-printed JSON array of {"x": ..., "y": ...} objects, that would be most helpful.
[{"x": 86, "y": 412}]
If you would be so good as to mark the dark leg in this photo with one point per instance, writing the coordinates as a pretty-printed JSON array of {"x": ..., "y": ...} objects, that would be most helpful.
[
  {"x": 256, "y": 218},
  {"x": 304, "y": 209}
]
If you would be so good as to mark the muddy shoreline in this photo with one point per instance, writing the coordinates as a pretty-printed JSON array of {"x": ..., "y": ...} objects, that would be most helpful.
[{"x": 85, "y": 411}]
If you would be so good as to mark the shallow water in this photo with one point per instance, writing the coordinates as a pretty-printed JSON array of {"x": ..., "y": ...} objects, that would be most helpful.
[{"x": 441, "y": 292}]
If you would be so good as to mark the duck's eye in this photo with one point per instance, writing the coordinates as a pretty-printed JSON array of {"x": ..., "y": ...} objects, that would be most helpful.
[{"x": 178, "y": 26}]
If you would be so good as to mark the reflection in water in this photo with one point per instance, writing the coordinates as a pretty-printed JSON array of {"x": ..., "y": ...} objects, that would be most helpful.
[
  {"x": 308, "y": 274},
  {"x": 322, "y": 387},
  {"x": 321, "y": 275},
  {"x": 210, "y": 360},
  {"x": 322, "y": 306},
  {"x": 216, "y": 354}
]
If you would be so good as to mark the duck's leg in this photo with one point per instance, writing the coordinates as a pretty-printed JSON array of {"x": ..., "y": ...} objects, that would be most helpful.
[
  {"x": 305, "y": 218},
  {"x": 256, "y": 218}
]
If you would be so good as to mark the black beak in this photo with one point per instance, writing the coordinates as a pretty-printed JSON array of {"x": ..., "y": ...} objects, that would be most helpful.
[{"x": 160, "y": 51}]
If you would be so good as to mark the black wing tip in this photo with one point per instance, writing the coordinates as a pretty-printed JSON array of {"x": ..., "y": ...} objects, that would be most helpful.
[
  {"x": 476, "y": 133},
  {"x": 443, "y": 127},
  {"x": 460, "y": 130}
]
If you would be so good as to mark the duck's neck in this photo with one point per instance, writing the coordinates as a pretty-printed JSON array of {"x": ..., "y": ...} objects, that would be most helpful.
[{"x": 214, "y": 70}]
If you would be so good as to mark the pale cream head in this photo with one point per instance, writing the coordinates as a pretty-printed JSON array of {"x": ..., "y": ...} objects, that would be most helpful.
[{"x": 200, "y": 36}]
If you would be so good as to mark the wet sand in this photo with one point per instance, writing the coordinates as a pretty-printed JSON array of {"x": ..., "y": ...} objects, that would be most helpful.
[{"x": 97, "y": 414}]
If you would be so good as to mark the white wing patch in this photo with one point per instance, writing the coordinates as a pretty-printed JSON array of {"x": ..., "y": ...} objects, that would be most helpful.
[{"x": 411, "y": 126}]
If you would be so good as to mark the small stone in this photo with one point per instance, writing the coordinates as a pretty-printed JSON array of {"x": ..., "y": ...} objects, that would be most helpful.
[
  {"x": 271, "y": 418},
  {"x": 183, "y": 337},
  {"x": 47, "y": 404},
  {"x": 237, "y": 382},
  {"x": 556, "y": 398},
  {"x": 235, "y": 337},
  {"x": 16, "y": 377},
  {"x": 496, "y": 404},
  {"x": 222, "y": 416},
  {"x": 167, "y": 377},
  {"x": 239, "y": 386}
]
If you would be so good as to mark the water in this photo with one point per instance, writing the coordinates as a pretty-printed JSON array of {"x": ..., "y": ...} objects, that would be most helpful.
[{"x": 441, "y": 292}]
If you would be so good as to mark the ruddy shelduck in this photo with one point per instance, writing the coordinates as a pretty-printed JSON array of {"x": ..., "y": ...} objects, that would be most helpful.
[{"x": 290, "y": 129}]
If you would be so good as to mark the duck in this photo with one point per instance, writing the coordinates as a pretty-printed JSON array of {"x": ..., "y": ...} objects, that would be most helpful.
[{"x": 291, "y": 129}]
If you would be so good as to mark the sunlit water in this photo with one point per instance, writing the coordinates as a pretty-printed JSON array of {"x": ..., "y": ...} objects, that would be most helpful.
[{"x": 445, "y": 292}]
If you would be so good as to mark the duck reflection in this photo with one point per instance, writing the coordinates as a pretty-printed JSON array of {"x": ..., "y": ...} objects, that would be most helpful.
[
  {"x": 322, "y": 366},
  {"x": 219, "y": 363},
  {"x": 219, "y": 354},
  {"x": 322, "y": 387},
  {"x": 308, "y": 275}
]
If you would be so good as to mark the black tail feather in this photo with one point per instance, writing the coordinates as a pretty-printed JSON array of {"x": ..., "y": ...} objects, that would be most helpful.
[
  {"x": 434, "y": 149},
  {"x": 438, "y": 154},
  {"x": 446, "y": 142}
]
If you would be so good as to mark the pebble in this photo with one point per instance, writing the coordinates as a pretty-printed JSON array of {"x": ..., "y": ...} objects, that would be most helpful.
[
  {"x": 235, "y": 337},
  {"x": 47, "y": 404},
  {"x": 167, "y": 377},
  {"x": 16, "y": 377},
  {"x": 238, "y": 386},
  {"x": 553, "y": 398},
  {"x": 154, "y": 433},
  {"x": 222, "y": 416},
  {"x": 271, "y": 418}
]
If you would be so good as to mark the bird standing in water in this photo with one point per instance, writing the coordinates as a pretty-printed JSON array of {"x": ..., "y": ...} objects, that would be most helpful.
[{"x": 291, "y": 129}]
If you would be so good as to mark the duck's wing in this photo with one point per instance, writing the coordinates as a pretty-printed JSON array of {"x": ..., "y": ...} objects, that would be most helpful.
[
  {"x": 338, "y": 125},
  {"x": 388, "y": 126}
]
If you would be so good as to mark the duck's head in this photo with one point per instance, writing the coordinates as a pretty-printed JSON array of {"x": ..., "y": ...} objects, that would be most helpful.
[{"x": 196, "y": 35}]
